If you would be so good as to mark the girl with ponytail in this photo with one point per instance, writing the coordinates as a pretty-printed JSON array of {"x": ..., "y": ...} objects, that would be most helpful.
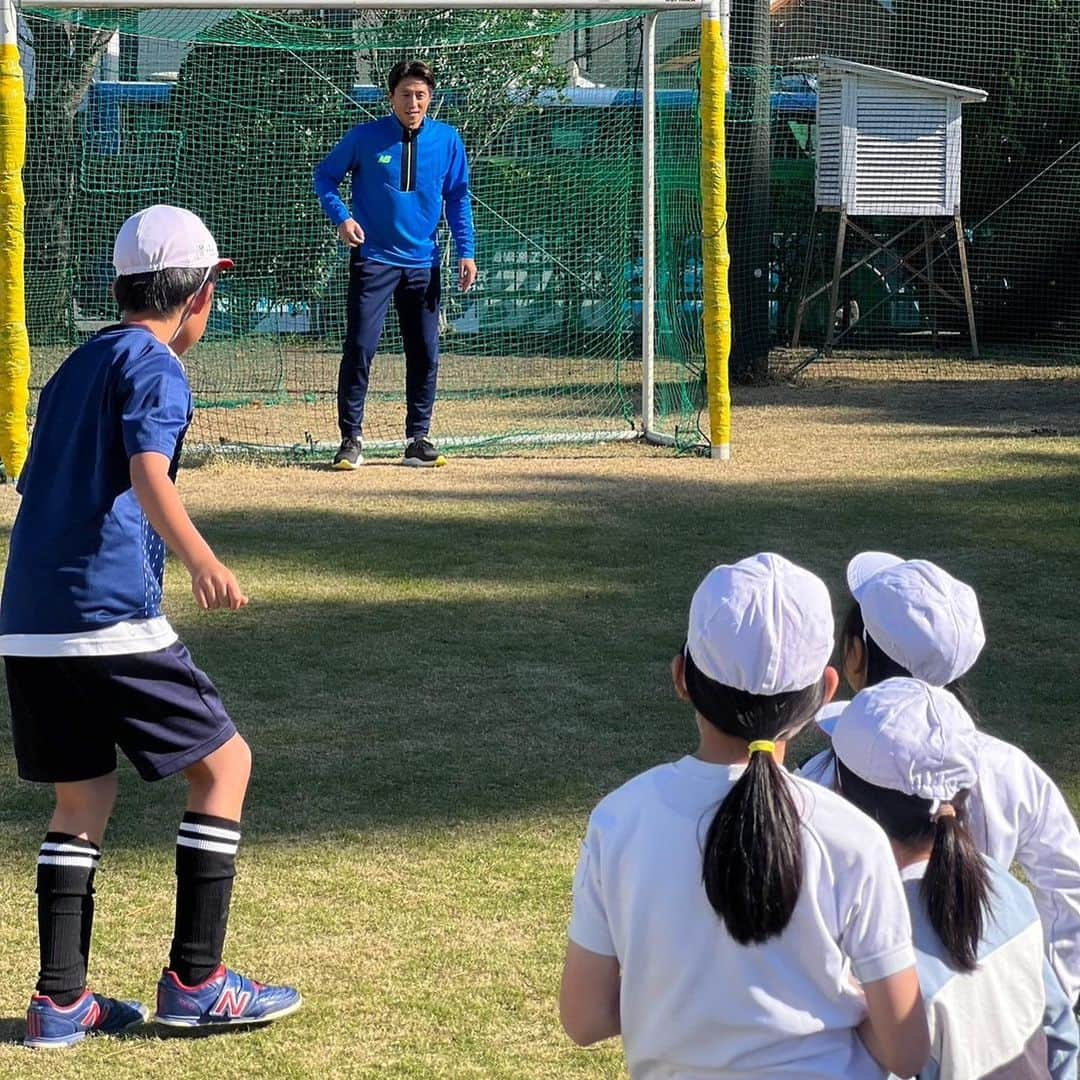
[
  {"x": 730, "y": 919},
  {"x": 912, "y": 618},
  {"x": 907, "y": 756}
]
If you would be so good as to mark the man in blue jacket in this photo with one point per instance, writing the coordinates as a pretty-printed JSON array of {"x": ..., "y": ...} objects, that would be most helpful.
[{"x": 404, "y": 168}]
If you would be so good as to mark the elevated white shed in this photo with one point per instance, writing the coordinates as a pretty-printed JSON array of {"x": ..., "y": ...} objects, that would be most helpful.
[
  {"x": 888, "y": 143},
  {"x": 889, "y": 146}
]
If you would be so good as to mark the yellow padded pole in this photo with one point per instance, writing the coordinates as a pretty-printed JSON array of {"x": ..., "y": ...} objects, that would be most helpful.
[
  {"x": 717, "y": 259},
  {"x": 14, "y": 342}
]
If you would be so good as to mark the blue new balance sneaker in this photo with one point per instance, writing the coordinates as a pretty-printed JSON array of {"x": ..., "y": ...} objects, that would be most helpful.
[
  {"x": 225, "y": 998},
  {"x": 50, "y": 1026}
]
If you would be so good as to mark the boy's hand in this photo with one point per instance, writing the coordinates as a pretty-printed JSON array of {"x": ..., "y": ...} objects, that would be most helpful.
[{"x": 214, "y": 586}]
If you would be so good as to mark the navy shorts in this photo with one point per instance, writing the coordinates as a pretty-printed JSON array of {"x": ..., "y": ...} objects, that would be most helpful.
[{"x": 70, "y": 713}]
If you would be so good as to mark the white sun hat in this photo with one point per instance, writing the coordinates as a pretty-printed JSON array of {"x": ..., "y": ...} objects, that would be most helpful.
[
  {"x": 922, "y": 617},
  {"x": 762, "y": 625},
  {"x": 908, "y": 736}
]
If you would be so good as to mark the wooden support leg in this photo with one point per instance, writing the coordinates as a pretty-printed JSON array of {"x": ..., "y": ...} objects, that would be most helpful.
[
  {"x": 931, "y": 302},
  {"x": 834, "y": 290},
  {"x": 965, "y": 277},
  {"x": 800, "y": 309}
]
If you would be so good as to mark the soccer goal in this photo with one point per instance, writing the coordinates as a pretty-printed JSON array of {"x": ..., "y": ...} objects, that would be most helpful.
[{"x": 583, "y": 131}]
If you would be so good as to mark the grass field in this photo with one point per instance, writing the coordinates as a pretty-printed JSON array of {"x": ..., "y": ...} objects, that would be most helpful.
[{"x": 441, "y": 671}]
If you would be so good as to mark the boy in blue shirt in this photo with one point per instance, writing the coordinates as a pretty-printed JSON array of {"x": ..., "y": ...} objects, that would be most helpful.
[
  {"x": 92, "y": 663},
  {"x": 404, "y": 169}
]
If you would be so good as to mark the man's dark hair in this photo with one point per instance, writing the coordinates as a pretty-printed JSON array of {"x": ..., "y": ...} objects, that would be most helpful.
[
  {"x": 410, "y": 69},
  {"x": 160, "y": 292}
]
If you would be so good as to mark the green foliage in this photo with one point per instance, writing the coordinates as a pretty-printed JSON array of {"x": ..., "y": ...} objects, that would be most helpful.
[
  {"x": 502, "y": 61},
  {"x": 1024, "y": 55},
  {"x": 65, "y": 57},
  {"x": 253, "y": 123}
]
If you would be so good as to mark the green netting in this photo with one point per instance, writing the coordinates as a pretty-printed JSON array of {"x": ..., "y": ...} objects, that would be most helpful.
[
  {"x": 1019, "y": 183},
  {"x": 227, "y": 113}
]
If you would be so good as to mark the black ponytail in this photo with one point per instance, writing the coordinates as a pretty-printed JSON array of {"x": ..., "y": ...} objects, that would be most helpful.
[
  {"x": 752, "y": 862},
  {"x": 956, "y": 886}
]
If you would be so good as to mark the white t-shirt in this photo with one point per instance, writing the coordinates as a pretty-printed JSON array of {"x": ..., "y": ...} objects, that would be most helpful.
[
  {"x": 695, "y": 1003},
  {"x": 1017, "y": 814}
]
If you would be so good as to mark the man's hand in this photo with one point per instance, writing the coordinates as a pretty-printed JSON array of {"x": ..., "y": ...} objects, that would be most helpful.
[
  {"x": 214, "y": 586},
  {"x": 350, "y": 233},
  {"x": 466, "y": 274}
]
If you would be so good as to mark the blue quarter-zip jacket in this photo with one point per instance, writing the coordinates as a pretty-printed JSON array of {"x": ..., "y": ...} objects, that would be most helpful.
[{"x": 400, "y": 181}]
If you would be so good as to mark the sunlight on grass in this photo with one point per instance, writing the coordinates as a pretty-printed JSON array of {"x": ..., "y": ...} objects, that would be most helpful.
[{"x": 441, "y": 673}]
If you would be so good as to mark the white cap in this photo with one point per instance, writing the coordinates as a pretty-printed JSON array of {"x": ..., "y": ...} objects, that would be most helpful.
[
  {"x": 907, "y": 736},
  {"x": 763, "y": 625},
  {"x": 163, "y": 238},
  {"x": 922, "y": 617},
  {"x": 828, "y": 714}
]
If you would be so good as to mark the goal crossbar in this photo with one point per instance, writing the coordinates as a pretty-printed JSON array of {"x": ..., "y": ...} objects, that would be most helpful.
[{"x": 381, "y": 5}]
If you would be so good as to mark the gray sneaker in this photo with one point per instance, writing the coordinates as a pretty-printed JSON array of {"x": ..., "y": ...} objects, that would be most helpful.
[
  {"x": 349, "y": 455},
  {"x": 421, "y": 453}
]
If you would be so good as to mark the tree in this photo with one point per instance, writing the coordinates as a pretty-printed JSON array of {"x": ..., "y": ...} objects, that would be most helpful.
[
  {"x": 1023, "y": 53},
  {"x": 489, "y": 65},
  {"x": 66, "y": 56},
  {"x": 254, "y": 119}
]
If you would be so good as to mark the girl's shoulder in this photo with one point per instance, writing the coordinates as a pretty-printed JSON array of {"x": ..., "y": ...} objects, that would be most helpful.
[{"x": 840, "y": 832}]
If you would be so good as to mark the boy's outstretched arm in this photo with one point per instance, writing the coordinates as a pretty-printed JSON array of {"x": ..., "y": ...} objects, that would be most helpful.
[{"x": 212, "y": 583}]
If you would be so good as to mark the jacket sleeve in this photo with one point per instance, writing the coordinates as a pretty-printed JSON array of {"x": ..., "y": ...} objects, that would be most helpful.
[
  {"x": 458, "y": 201},
  {"x": 328, "y": 176},
  {"x": 1048, "y": 849}
]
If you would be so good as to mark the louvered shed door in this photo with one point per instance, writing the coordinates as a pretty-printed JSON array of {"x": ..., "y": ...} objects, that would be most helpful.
[{"x": 902, "y": 152}]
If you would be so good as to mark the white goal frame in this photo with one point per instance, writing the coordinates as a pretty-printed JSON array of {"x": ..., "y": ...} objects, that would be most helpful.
[{"x": 653, "y": 10}]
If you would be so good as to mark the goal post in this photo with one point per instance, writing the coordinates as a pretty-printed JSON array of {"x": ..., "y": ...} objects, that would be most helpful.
[
  {"x": 14, "y": 342},
  {"x": 583, "y": 328}
]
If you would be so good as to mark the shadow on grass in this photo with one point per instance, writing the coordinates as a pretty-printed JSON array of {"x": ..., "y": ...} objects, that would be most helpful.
[
  {"x": 483, "y": 663},
  {"x": 13, "y": 1030},
  {"x": 993, "y": 405}
]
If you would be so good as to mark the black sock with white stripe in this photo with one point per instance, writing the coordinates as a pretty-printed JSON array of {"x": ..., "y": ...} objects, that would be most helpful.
[
  {"x": 205, "y": 867},
  {"x": 65, "y": 891}
]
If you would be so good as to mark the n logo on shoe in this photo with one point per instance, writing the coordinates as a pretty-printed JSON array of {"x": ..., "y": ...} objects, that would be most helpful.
[
  {"x": 93, "y": 1015},
  {"x": 232, "y": 1003}
]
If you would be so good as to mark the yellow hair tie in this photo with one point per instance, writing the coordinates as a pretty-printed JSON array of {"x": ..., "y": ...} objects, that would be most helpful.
[{"x": 761, "y": 744}]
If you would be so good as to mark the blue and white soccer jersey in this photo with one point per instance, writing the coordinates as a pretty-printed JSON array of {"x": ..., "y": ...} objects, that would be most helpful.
[
  {"x": 1016, "y": 814},
  {"x": 84, "y": 565},
  {"x": 1010, "y": 1017},
  {"x": 92, "y": 663}
]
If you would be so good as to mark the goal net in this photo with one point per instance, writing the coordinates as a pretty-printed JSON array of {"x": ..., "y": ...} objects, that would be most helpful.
[{"x": 227, "y": 112}]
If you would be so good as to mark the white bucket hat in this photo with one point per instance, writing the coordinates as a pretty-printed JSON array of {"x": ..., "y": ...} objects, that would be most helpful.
[
  {"x": 922, "y": 617},
  {"x": 762, "y": 625},
  {"x": 163, "y": 238},
  {"x": 907, "y": 736}
]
